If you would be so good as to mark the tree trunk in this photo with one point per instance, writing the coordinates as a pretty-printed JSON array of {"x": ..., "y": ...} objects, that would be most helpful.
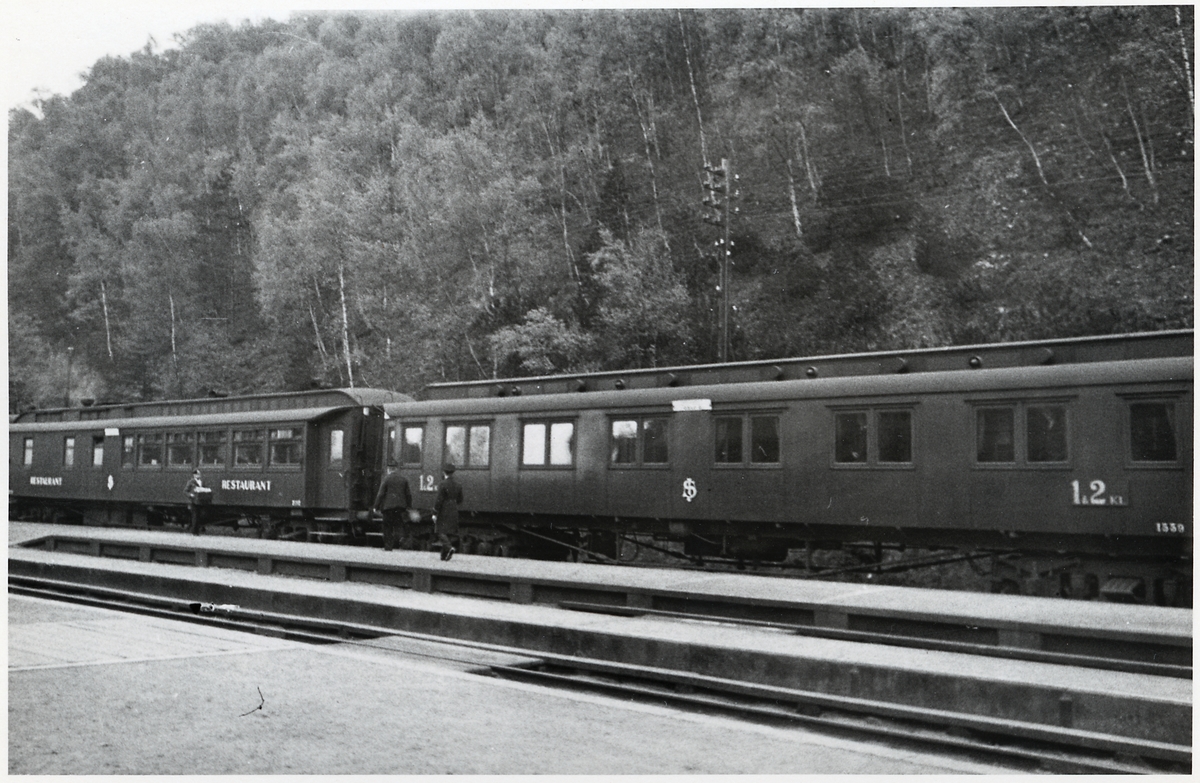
[
  {"x": 174, "y": 353},
  {"x": 345, "y": 324},
  {"x": 107, "y": 323},
  {"x": 687, "y": 52},
  {"x": 649, "y": 139},
  {"x": 1147, "y": 165}
]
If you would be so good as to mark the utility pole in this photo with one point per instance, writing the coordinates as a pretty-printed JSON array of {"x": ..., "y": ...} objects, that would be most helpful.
[{"x": 718, "y": 210}]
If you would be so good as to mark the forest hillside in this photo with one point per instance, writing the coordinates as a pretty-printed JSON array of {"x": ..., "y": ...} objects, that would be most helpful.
[{"x": 394, "y": 199}]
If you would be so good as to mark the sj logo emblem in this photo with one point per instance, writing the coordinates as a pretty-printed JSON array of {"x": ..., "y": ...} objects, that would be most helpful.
[{"x": 689, "y": 490}]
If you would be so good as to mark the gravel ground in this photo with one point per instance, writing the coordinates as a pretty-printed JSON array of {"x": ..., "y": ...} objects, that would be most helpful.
[{"x": 354, "y": 709}]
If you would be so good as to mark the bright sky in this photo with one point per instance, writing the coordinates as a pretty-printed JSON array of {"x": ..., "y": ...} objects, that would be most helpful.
[{"x": 49, "y": 43}]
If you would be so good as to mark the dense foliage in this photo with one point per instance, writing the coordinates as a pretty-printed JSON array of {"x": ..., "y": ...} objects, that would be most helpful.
[{"x": 395, "y": 199}]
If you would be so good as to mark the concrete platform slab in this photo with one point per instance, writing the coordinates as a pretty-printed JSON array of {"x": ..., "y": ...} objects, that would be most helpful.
[
  {"x": 363, "y": 709},
  {"x": 1151, "y": 707}
]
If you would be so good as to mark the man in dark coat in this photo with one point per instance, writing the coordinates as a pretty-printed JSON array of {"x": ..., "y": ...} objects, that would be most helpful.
[
  {"x": 195, "y": 489},
  {"x": 392, "y": 502},
  {"x": 450, "y": 495}
]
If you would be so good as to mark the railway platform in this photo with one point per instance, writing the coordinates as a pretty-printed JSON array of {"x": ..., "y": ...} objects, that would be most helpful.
[
  {"x": 152, "y": 696},
  {"x": 701, "y": 630}
]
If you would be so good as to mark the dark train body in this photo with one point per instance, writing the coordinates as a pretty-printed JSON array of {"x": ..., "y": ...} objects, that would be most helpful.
[
  {"x": 1075, "y": 454},
  {"x": 303, "y": 458}
]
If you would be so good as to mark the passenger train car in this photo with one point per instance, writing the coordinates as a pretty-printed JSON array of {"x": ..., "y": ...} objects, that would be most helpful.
[
  {"x": 1071, "y": 458},
  {"x": 306, "y": 458},
  {"x": 1076, "y": 454}
]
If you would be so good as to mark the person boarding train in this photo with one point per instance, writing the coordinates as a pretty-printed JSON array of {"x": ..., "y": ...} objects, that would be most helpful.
[{"x": 392, "y": 503}]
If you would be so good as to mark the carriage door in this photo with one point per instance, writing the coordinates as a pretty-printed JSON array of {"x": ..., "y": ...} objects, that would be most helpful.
[
  {"x": 691, "y": 459},
  {"x": 332, "y": 466}
]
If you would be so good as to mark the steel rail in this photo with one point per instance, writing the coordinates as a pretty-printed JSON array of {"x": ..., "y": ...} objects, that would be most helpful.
[{"x": 901, "y": 640}]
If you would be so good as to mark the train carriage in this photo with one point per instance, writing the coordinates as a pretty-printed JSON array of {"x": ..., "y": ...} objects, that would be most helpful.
[
  {"x": 305, "y": 459},
  {"x": 1069, "y": 461},
  {"x": 1075, "y": 454}
]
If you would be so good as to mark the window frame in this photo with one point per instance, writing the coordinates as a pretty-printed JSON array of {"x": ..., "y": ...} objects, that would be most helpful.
[
  {"x": 547, "y": 443},
  {"x": 296, "y": 441},
  {"x": 1130, "y": 400},
  {"x": 1020, "y": 417},
  {"x": 747, "y": 418},
  {"x": 68, "y": 452},
  {"x": 144, "y": 439},
  {"x": 98, "y": 451},
  {"x": 27, "y": 452},
  {"x": 336, "y": 453},
  {"x": 262, "y": 445},
  {"x": 639, "y": 440},
  {"x": 188, "y": 438},
  {"x": 222, "y": 444},
  {"x": 399, "y": 444},
  {"x": 468, "y": 428},
  {"x": 873, "y": 431}
]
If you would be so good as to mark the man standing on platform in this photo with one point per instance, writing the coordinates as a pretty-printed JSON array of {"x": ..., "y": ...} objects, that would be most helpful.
[
  {"x": 445, "y": 510},
  {"x": 392, "y": 504},
  {"x": 197, "y": 495}
]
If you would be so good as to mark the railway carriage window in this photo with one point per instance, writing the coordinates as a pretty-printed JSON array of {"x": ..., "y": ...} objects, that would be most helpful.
[
  {"x": 28, "y": 452},
  {"x": 534, "y": 445},
  {"x": 894, "y": 436},
  {"x": 654, "y": 441},
  {"x": 150, "y": 449},
  {"x": 633, "y": 437},
  {"x": 851, "y": 437},
  {"x": 468, "y": 444},
  {"x": 728, "y": 432},
  {"x": 337, "y": 445},
  {"x": 287, "y": 446},
  {"x": 410, "y": 447},
  {"x": 548, "y": 443},
  {"x": 1046, "y": 433},
  {"x": 248, "y": 448},
  {"x": 479, "y": 446},
  {"x": 69, "y": 452},
  {"x": 764, "y": 439},
  {"x": 179, "y": 449},
  {"x": 994, "y": 435},
  {"x": 456, "y": 444},
  {"x": 212, "y": 449},
  {"x": 562, "y": 443},
  {"x": 127, "y": 452},
  {"x": 97, "y": 451},
  {"x": 1152, "y": 432},
  {"x": 624, "y": 442}
]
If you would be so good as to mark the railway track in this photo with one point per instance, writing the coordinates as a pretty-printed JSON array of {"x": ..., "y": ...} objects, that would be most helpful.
[
  {"x": 1030, "y": 746},
  {"x": 909, "y": 641}
]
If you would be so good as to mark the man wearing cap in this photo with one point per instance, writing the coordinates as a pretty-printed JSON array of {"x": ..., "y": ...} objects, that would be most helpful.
[
  {"x": 195, "y": 489},
  {"x": 445, "y": 510},
  {"x": 392, "y": 502}
]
